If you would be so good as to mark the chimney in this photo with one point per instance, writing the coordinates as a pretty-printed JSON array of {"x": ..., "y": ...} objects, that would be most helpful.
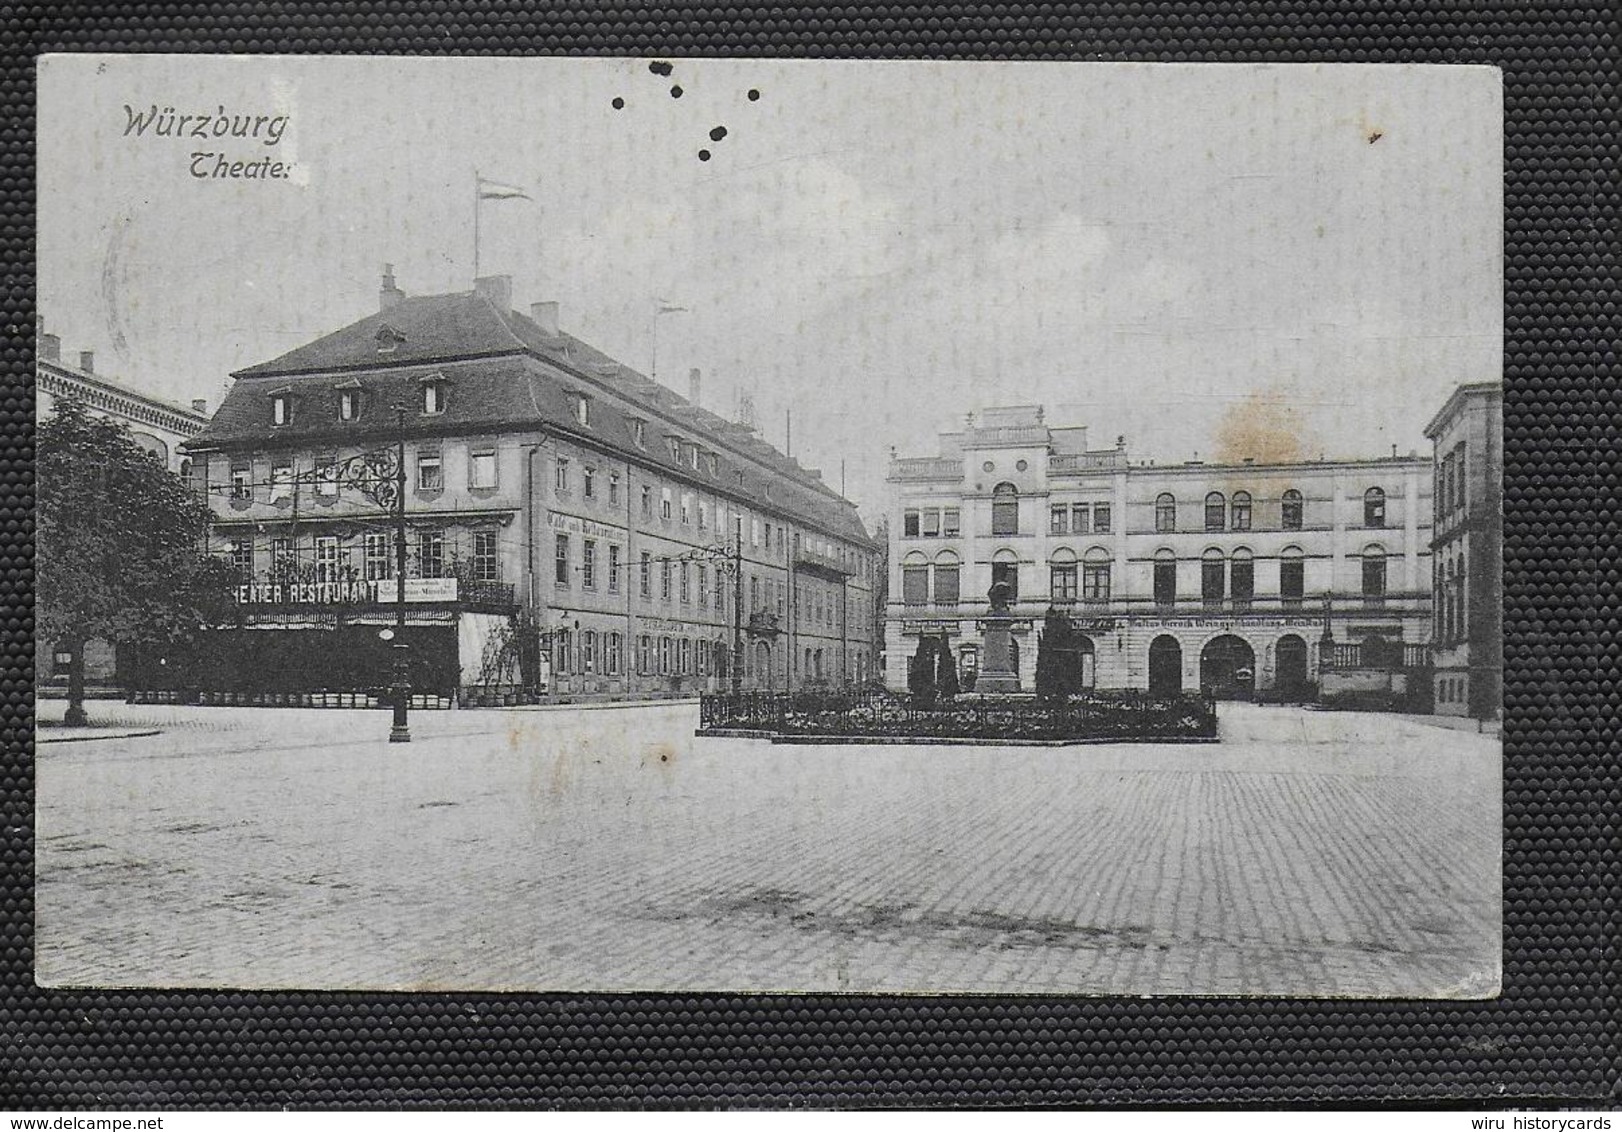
[
  {"x": 694, "y": 379},
  {"x": 199, "y": 405},
  {"x": 545, "y": 315},
  {"x": 87, "y": 361},
  {"x": 388, "y": 294},
  {"x": 50, "y": 346},
  {"x": 497, "y": 288}
]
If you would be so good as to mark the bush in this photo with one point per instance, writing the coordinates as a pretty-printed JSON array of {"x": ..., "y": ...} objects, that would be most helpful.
[
  {"x": 921, "y": 673},
  {"x": 946, "y": 671}
]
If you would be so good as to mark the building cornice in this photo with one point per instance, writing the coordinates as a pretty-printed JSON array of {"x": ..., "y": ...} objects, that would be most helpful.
[{"x": 60, "y": 381}]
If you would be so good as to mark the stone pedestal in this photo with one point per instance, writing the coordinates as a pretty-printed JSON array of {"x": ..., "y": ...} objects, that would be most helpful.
[{"x": 997, "y": 671}]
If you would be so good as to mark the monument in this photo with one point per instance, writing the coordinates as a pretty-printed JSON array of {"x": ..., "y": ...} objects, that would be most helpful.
[{"x": 998, "y": 672}]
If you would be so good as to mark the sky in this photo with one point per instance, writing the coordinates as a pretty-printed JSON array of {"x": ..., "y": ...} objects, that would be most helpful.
[{"x": 1168, "y": 253}]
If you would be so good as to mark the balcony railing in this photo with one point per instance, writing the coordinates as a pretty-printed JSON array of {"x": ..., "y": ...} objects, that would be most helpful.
[
  {"x": 823, "y": 564},
  {"x": 1376, "y": 654}
]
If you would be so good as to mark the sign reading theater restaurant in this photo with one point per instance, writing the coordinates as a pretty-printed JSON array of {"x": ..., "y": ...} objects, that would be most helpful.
[{"x": 383, "y": 591}]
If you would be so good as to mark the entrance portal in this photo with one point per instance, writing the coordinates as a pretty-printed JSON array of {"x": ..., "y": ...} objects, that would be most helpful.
[
  {"x": 1228, "y": 667},
  {"x": 1165, "y": 666},
  {"x": 1292, "y": 664}
]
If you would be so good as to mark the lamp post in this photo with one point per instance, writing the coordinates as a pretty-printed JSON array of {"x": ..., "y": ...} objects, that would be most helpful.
[{"x": 400, "y": 691}]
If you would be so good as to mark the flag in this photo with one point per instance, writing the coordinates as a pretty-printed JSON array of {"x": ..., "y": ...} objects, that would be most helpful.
[{"x": 496, "y": 190}]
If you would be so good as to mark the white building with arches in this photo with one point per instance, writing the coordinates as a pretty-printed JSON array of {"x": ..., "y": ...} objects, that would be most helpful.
[{"x": 1235, "y": 576}]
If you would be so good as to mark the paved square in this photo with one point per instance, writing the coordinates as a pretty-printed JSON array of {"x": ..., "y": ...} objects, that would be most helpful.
[{"x": 611, "y": 850}]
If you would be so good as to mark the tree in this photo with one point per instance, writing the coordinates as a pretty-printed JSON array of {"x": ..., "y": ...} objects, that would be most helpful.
[
  {"x": 921, "y": 672},
  {"x": 946, "y": 685},
  {"x": 1053, "y": 677},
  {"x": 120, "y": 545}
]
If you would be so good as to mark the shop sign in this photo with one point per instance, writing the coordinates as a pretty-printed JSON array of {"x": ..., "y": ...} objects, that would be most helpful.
[
  {"x": 1229, "y": 623},
  {"x": 345, "y": 593},
  {"x": 575, "y": 525}
]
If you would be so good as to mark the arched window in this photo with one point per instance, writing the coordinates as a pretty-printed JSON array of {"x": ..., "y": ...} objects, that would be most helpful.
[
  {"x": 1095, "y": 575},
  {"x": 1212, "y": 582},
  {"x": 915, "y": 580},
  {"x": 1165, "y": 578},
  {"x": 1374, "y": 507},
  {"x": 1005, "y": 509},
  {"x": 1290, "y": 510},
  {"x": 1292, "y": 576},
  {"x": 1216, "y": 511},
  {"x": 1373, "y": 574},
  {"x": 1062, "y": 576},
  {"x": 1241, "y": 511},
  {"x": 1005, "y": 568},
  {"x": 1242, "y": 578},
  {"x": 1165, "y": 512},
  {"x": 948, "y": 576},
  {"x": 186, "y": 472}
]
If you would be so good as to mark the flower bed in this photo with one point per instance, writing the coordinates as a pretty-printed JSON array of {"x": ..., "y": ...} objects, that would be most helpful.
[{"x": 1122, "y": 716}]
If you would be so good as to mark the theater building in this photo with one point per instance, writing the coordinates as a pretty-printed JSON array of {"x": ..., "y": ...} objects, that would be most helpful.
[
  {"x": 1240, "y": 577},
  {"x": 573, "y": 527},
  {"x": 1467, "y": 437}
]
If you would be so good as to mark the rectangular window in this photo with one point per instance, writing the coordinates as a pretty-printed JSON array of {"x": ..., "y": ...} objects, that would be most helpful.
[
  {"x": 932, "y": 522},
  {"x": 1080, "y": 519},
  {"x": 483, "y": 469},
  {"x": 915, "y": 585},
  {"x": 616, "y": 650},
  {"x": 639, "y": 433},
  {"x": 613, "y": 568},
  {"x": 560, "y": 475},
  {"x": 703, "y": 514},
  {"x": 326, "y": 476},
  {"x": 379, "y": 560},
  {"x": 754, "y": 532},
  {"x": 430, "y": 473},
  {"x": 348, "y": 404},
  {"x": 910, "y": 522},
  {"x": 1166, "y": 584},
  {"x": 754, "y": 595},
  {"x": 1101, "y": 518},
  {"x": 326, "y": 559},
  {"x": 1005, "y": 515},
  {"x": 946, "y": 585},
  {"x": 614, "y": 487},
  {"x": 1059, "y": 519},
  {"x": 242, "y": 558},
  {"x": 588, "y": 563},
  {"x": 560, "y": 560},
  {"x": 686, "y": 584},
  {"x": 1062, "y": 582},
  {"x": 703, "y": 586},
  {"x": 431, "y": 554},
  {"x": 1374, "y": 577},
  {"x": 664, "y": 503},
  {"x": 281, "y": 410},
  {"x": 582, "y": 410},
  {"x": 588, "y": 651},
  {"x": 951, "y": 522},
  {"x": 241, "y": 481},
  {"x": 647, "y": 574},
  {"x": 281, "y": 479},
  {"x": 563, "y": 646},
  {"x": 1242, "y": 580},
  {"x": 1095, "y": 579},
  {"x": 283, "y": 562},
  {"x": 1292, "y": 582},
  {"x": 686, "y": 507},
  {"x": 588, "y": 482},
  {"x": 1212, "y": 582},
  {"x": 433, "y": 397},
  {"x": 486, "y": 563},
  {"x": 720, "y": 588},
  {"x": 664, "y": 579}
]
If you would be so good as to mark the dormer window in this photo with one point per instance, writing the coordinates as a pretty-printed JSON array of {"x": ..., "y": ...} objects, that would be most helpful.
[
  {"x": 348, "y": 404},
  {"x": 675, "y": 448},
  {"x": 692, "y": 457},
  {"x": 433, "y": 397},
  {"x": 639, "y": 433},
  {"x": 281, "y": 409},
  {"x": 388, "y": 339},
  {"x": 582, "y": 410},
  {"x": 714, "y": 462}
]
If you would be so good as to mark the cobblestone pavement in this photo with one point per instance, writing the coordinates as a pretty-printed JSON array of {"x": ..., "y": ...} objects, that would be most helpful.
[{"x": 610, "y": 850}]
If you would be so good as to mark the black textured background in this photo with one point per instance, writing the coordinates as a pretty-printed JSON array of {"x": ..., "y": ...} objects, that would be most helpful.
[{"x": 1552, "y": 1038}]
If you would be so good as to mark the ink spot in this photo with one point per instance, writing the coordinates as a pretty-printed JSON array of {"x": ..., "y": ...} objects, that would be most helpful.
[
  {"x": 659, "y": 67},
  {"x": 675, "y": 91},
  {"x": 1374, "y": 136},
  {"x": 718, "y": 133},
  {"x": 754, "y": 96},
  {"x": 703, "y": 155},
  {"x": 619, "y": 104}
]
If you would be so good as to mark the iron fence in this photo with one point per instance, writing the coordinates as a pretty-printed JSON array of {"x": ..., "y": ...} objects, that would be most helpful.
[{"x": 1125, "y": 714}]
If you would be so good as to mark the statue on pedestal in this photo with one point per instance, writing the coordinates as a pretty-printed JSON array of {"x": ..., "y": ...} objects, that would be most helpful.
[{"x": 998, "y": 672}]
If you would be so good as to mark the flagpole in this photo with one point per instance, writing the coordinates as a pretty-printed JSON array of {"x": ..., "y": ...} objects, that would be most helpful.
[{"x": 475, "y": 226}]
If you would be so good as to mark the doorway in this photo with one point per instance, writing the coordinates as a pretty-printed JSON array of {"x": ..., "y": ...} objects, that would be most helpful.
[
  {"x": 1228, "y": 667},
  {"x": 1165, "y": 666}
]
